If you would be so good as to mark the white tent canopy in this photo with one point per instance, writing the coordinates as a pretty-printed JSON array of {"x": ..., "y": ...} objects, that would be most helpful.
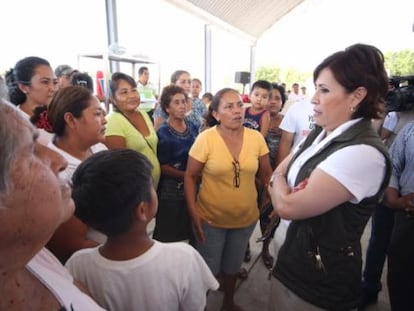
[{"x": 247, "y": 18}]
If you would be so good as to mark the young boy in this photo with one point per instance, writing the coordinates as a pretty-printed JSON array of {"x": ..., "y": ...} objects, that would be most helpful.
[
  {"x": 257, "y": 117},
  {"x": 113, "y": 194},
  {"x": 207, "y": 98},
  {"x": 195, "y": 88}
]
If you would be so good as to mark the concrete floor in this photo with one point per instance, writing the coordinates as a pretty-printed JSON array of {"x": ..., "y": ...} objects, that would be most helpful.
[{"x": 252, "y": 294}]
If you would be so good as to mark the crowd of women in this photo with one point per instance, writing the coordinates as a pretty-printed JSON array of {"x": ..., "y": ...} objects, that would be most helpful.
[{"x": 215, "y": 173}]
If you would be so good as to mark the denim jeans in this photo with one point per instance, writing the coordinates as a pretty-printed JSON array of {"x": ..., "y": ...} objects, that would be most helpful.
[
  {"x": 382, "y": 223},
  {"x": 223, "y": 248}
]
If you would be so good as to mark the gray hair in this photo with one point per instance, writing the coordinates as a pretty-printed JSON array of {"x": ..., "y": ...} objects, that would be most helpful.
[
  {"x": 4, "y": 93},
  {"x": 9, "y": 144}
]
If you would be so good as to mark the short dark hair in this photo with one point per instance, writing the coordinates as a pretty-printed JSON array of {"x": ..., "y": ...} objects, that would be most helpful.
[
  {"x": 360, "y": 65},
  {"x": 107, "y": 188},
  {"x": 196, "y": 80},
  {"x": 167, "y": 94},
  {"x": 82, "y": 79},
  {"x": 142, "y": 69},
  {"x": 262, "y": 84},
  {"x": 208, "y": 95}
]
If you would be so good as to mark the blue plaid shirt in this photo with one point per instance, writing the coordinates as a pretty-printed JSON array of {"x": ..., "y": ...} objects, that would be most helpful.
[
  {"x": 402, "y": 157},
  {"x": 196, "y": 116}
]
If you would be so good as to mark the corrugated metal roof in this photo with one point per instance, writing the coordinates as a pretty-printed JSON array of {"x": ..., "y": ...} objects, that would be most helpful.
[{"x": 249, "y": 17}]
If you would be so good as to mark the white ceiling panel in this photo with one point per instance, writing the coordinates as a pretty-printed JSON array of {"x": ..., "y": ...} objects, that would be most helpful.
[{"x": 249, "y": 17}]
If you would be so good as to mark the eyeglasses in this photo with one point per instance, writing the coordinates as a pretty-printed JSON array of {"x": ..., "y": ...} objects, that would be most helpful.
[{"x": 236, "y": 170}]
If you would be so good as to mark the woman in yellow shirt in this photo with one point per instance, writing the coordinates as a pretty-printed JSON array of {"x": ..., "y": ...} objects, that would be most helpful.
[{"x": 224, "y": 213}]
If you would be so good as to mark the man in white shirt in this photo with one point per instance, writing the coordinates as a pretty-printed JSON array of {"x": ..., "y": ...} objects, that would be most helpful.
[
  {"x": 146, "y": 89},
  {"x": 293, "y": 98},
  {"x": 296, "y": 125}
]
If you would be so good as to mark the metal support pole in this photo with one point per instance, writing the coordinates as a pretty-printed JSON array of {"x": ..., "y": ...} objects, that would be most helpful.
[
  {"x": 252, "y": 65},
  {"x": 112, "y": 29},
  {"x": 207, "y": 58}
]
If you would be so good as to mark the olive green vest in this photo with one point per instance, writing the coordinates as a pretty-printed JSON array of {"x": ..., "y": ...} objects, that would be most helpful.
[{"x": 334, "y": 281}]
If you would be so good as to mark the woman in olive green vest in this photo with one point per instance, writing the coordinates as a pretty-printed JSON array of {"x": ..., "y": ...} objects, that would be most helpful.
[{"x": 328, "y": 186}]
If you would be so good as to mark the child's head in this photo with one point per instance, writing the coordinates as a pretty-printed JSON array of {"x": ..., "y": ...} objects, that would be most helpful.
[
  {"x": 207, "y": 98},
  {"x": 109, "y": 186},
  {"x": 196, "y": 87},
  {"x": 259, "y": 94}
]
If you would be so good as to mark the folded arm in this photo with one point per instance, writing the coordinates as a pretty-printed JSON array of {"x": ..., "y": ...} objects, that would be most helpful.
[{"x": 321, "y": 193}]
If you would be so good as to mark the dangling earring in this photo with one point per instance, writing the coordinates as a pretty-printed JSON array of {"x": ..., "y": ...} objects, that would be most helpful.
[{"x": 352, "y": 109}]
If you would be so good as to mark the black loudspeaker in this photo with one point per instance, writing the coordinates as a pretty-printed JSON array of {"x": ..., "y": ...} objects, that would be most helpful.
[{"x": 242, "y": 77}]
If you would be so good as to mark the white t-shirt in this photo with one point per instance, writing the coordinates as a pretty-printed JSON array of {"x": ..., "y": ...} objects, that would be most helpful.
[
  {"x": 294, "y": 98},
  {"x": 390, "y": 121},
  {"x": 359, "y": 168},
  {"x": 298, "y": 120},
  {"x": 47, "y": 268},
  {"x": 168, "y": 277}
]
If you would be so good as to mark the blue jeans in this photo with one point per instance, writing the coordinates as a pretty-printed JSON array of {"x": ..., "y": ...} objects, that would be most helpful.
[{"x": 382, "y": 224}]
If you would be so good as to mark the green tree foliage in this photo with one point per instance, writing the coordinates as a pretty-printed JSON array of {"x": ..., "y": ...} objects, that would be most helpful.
[
  {"x": 400, "y": 63},
  {"x": 271, "y": 74},
  {"x": 279, "y": 75}
]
